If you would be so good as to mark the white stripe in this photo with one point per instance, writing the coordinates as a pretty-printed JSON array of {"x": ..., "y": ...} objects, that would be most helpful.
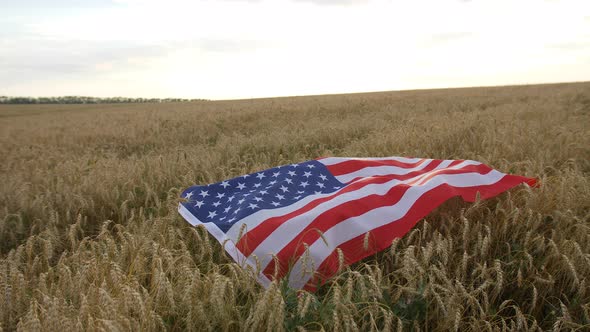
[
  {"x": 336, "y": 160},
  {"x": 289, "y": 230},
  {"x": 381, "y": 170},
  {"x": 356, "y": 226},
  {"x": 228, "y": 245}
]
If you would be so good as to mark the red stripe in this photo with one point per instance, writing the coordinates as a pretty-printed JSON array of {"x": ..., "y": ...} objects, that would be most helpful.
[
  {"x": 354, "y": 165},
  {"x": 292, "y": 251},
  {"x": 252, "y": 239},
  {"x": 381, "y": 237}
]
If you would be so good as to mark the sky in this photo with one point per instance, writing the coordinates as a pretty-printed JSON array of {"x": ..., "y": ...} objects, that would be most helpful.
[{"x": 229, "y": 49}]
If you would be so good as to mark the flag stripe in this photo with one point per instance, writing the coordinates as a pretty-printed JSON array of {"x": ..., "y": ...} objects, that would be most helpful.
[
  {"x": 358, "y": 225},
  {"x": 353, "y": 208},
  {"x": 337, "y": 160},
  {"x": 350, "y": 166}
]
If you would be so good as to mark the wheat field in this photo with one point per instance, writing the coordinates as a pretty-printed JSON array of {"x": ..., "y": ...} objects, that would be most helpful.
[{"x": 90, "y": 236}]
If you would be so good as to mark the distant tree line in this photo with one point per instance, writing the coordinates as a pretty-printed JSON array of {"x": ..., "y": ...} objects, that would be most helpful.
[{"x": 87, "y": 100}]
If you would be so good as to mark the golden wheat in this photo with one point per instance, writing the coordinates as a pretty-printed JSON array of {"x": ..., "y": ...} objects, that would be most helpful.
[{"x": 90, "y": 238}]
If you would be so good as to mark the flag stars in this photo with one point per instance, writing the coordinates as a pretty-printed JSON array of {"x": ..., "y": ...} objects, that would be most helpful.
[
  {"x": 241, "y": 186},
  {"x": 260, "y": 176},
  {"x": 229, "y": 221},
  {"x": 284, "y": 189},
  {"x": 295, "y": 165},
  {"x": 220, "y": 195},
  {"x": 276, "y": 174},
  {"x": 231, "y": 198},
  {"x": 273, "y": 182},
  {"x": 199, "y": 204},
  {"x": 216, "y": 204},
  {"x": 263, "y": 192},
  {"x": 307, "y": 174},
  {"x": 310, "y": 166},
  {"x": 323, "y": 177},
  {"x": 252, "y": 206},
  {"x": 224, "y": 184},
  {"x": 304, "y": 184},
  {"x": 289, "y": 181},
  {"x": 275, "y": 204},
  {"x": 279, "y": 197},
  {"x": 204, "y": 193},
  {"x": 256, "y": 185},
  {"x": 258, "y": 199},
  {"x": 212, "y": 214},
  {"x": 241, "y": 201},
  {"x": 236, "y": 210},
  {"x": 189, "y": 195},
  {"x": 321, "y": 185},
  {"x": 226, "y": 210},
  {"x": 291, "y": 173}
]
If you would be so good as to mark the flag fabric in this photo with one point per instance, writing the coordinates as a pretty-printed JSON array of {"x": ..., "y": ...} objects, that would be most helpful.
[{"x": 302, "y": 221}]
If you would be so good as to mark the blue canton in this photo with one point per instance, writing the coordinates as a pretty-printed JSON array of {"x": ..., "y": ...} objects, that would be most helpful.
[{"x": 225, "y": 203}]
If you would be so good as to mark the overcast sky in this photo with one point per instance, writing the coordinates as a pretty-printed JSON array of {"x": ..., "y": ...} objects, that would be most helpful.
[{"x": 257, "y": 48}]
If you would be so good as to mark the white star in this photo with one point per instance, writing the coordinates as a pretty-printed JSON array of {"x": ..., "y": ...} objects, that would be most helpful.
[
  {"x": 336, "y": 188},
  {"x": 256, "y": 185},
  {"x": 231, "y": 220},
  {"x": 318, "y": 192},
  {"x": 300, "y": 191},
  {"x": 323, "y": 177},
  {"x": 231, "y": 198},
  {"x": 272, "y": 182},
  {"x": 310, "y": 166},
  {"x": 241, "y": 201},
  {"x": 241, "y": 186},
  {"x": 297, "y": 197},
  {"x": 260, "y": 176},
  {"x": 189, "y": 195},
  {"x": 212, "y": 214},
  {"x": 275, "y": 203},
  {"x": 276, "y": 174},
  {"x": 204, "y": 193},
  {"x": 307, "y": 174},
  {"x": 220, "y": 195},
  {"x": 236, "y": 210},
  {"x": 253, "y": 206},
  {"x": 319, "y": 184},
  {"x": 258, "y": 199},
  {"x": 216, "y": 204},
  {"x": 263, "y": 192},
  {"x": 199, "y": 204},
  {"x": 294, "y": 165},
  {"x": 224, "y": 184},
  {"x": 222, "y": 218},
  {"x": 291, "y": 173},
  {"x": 289, "y": 181},
  {"x": 226, "y": 210},
  {"x": 284, "y": 189},
  {"x": 304, "y": 184},
  {"x": 279, "y": 196},
  {"x": 245, "y": 176}
]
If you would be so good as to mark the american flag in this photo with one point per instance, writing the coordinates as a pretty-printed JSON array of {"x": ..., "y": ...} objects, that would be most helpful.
[{"x": 302, "y": 221}]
